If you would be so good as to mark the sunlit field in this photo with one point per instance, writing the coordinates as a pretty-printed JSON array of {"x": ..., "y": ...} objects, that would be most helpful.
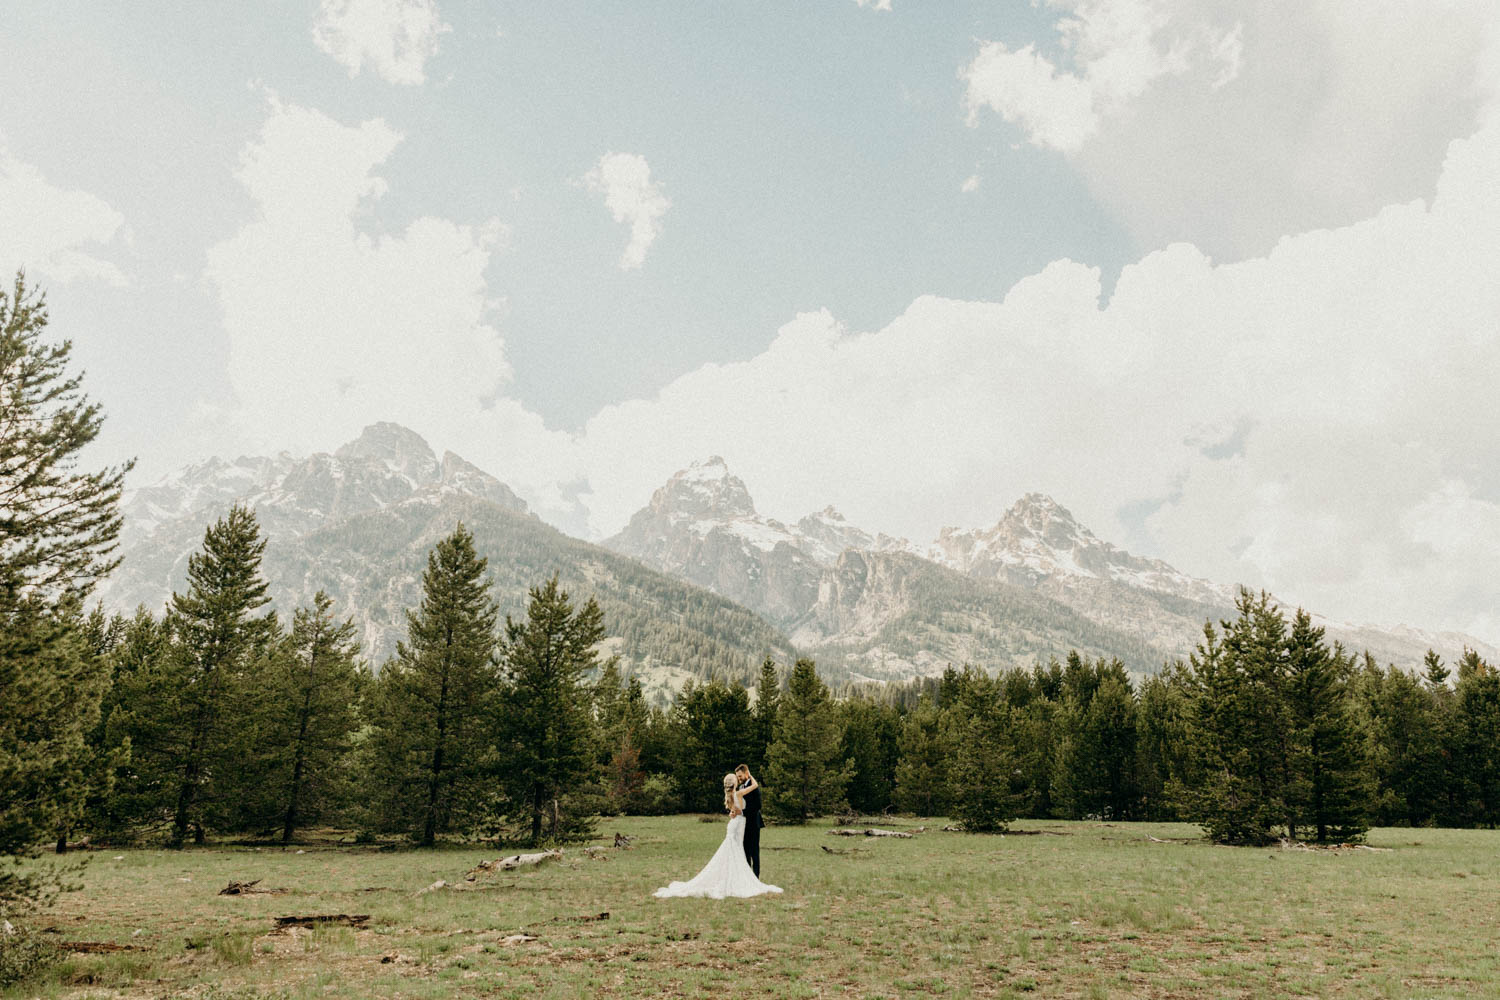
[{"x": 1052, "y": 909}]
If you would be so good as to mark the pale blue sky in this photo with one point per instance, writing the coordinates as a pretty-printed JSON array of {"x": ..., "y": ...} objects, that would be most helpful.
[
  {"x": 813, "y": 154},
  {"x": 1157, "y": 258}
]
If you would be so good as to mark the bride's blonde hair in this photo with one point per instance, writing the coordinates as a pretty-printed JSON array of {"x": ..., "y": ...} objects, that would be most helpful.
[{"x": 729, "y": 782}]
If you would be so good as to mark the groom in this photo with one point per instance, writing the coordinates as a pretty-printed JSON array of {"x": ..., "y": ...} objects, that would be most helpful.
[{"x": 751, "y": 789}]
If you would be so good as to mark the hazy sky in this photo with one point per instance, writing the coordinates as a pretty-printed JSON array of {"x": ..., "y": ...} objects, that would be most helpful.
[{"x": 1220, "y": 277}]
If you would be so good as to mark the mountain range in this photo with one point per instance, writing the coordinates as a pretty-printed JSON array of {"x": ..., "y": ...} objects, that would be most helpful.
[{"x": 699, "y": 583}]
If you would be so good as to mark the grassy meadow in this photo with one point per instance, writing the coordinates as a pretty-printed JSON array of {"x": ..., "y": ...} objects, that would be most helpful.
[{"x": 1052, "y": 909}]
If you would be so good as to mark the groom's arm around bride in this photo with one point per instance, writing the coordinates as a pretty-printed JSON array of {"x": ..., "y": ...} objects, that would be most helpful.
[{"x": 749, "y": 789}]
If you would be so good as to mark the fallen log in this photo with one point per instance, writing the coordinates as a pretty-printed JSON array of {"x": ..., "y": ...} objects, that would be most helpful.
[
  {"x": 314, "y": 920},
  {"x": 843, "y": 850},
  {"x": 871, "y": 832},
  {"x": 253, "y": 887},
  {"x": 622, "y": 841},
  {"x": 587, "y": 918},
  {"x": 97, "y": 947},
  {"x": 513, "y": 862}
]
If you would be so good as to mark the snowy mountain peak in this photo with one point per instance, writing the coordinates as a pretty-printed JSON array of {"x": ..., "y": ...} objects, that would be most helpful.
[
  {"x": 403, "y": 450},
  {"x": 827, "y": 533},
  {"x": 1038, "y": 516},
  {"x": 705, "y": 489},
  {"x": 1039, "y": 539}
]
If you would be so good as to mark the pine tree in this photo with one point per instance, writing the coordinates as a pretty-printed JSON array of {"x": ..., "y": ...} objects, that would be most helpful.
[
  {"x": 58, "y": 527},
  {"x": 50, "y": 689},
  {"x": 545, "y": 707},
  {"x": 1404, "y": 746},
  {"x": 979, "y": 729},
  {"x": 870, "y": 733},
  {"x": 1240, "y": 730},
  {"x": 1097, "y": 761},
  {"x": 1476, "y": 742},
  {"x": 1328, "y": 788},
  {"x": 922, "y": 762},
  {"x": 713, "y": 735},
  {"x": 188, "y": 713},
  {"x": 619, "y": 724},
  {"x": 1433, "y": 672},
  {"x": 767, "y": 698},
  {"x": 434, "y": 704},
  {"x": 1163, "y": 759},
  {"x": 805, "y": 774},
  {"x": 312, "y": 694}
]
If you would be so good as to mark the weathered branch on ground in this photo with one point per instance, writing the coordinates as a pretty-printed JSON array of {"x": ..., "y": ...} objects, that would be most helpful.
[
  {"x": 843, "y": 850},
  {"x": 623, "y": 842},
  {"x": 513, "y": 862},
  {"x": 515, "y": 939},
  {"x": 1287, "y": 844},
  {"x": 97, "y": 947},
  {"x": 251, "y": 888},
  {"x": 348, "y": 919},
  {"x": 870, "y": 832}
]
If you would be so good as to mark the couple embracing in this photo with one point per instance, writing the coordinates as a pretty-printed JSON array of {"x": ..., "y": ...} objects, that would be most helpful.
[{"x": 734, "y": 870}]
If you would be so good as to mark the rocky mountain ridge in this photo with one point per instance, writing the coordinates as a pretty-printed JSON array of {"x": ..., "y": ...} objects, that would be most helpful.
[
  {"x": 699, "y": 582},
  {"x": 359, "y": 522},
  {"x": 974, "y": 594}
]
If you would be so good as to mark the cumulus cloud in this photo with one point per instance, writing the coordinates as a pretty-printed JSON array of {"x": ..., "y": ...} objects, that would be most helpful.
[
  {"x": 52, "y": 231},
  {"x": 1119, "y": 48},
  {"x": 624, "y": 179},
  {"x": 1230, "y": 134},
  {"x": 332, "y": 327},
  {"x": 395, "y": 38},
  {"x": 1316, "y": 420},
  {"x": 875, "y": 4},
  {"x": 970, "y": 184}
]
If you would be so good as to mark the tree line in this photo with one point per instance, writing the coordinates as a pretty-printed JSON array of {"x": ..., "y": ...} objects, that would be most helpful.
[{"x": 1265, "y": 731}]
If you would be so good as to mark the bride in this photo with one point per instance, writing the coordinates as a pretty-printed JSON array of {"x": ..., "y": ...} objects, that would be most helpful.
[{"x": 727, "y": 872}]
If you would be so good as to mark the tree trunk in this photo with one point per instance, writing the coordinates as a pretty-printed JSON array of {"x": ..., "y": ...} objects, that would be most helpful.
[
  {"x": 62, "y": 842},
  {"x": 297, "y": 768},
  {"x": 536, "y": 814},
  {"x": 291, "y": 807},
  {"x": 429, "y": 828},
  {"x": 185, "y": 797}
]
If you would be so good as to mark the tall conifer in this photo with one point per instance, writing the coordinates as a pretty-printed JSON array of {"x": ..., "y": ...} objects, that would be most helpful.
[
  {"x": 433, "y": 707},
  {"x": 545, "y": 712},
  {"x": 806, "y": 775}
]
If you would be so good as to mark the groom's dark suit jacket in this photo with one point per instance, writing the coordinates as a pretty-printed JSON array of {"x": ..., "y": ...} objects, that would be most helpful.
[{"x": 752, "y": 808}]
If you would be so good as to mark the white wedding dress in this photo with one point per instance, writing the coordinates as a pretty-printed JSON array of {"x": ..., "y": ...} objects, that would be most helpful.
[{"x": 727, "y": 872}]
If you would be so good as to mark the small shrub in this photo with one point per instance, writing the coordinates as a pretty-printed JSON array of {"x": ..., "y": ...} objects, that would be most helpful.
[
  {"x": 23, "y": 953},
  {"x": 233, "y": 949}
]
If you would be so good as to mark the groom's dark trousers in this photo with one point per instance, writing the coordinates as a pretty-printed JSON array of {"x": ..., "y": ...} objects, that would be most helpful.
[{"x": 753, "y": 823}]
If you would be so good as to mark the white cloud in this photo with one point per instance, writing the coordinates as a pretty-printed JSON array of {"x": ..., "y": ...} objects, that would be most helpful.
[
  {"x": 970, "y": 184},
  {"x": 394, "y": 37},
  {"x": 53, "y": 231},
  {"x": 1120, "y": 47},
  {"x": 1231, "y": 130},
  {"x": 875, "y": 4},
  {"x": 1358, "y": 361},
  {"x": 331, "y": 327},
  {"x": 624, "y": 179}
]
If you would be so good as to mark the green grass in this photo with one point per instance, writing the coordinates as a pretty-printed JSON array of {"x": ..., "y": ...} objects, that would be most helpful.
[{"x": 1085, "y": 910}]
